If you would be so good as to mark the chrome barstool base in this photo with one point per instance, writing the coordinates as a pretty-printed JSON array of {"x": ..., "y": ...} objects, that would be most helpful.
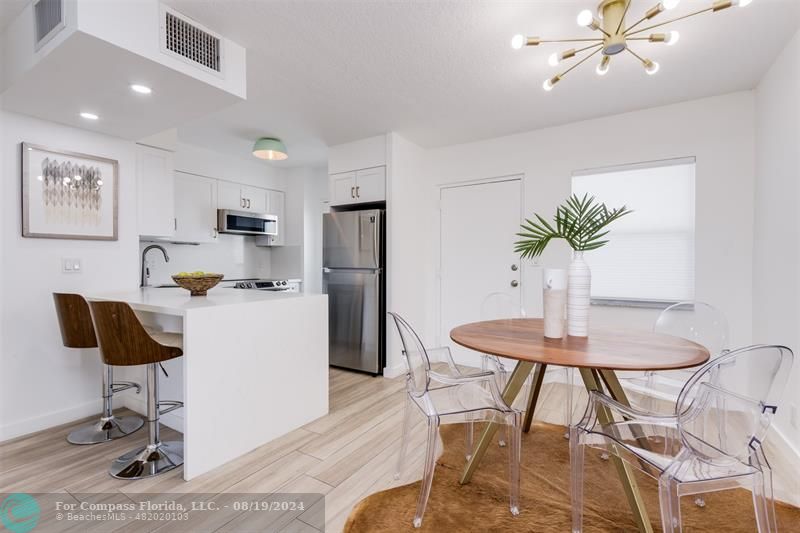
[
  {"x": 106, "y": 429},
  {"x": 148, "y": 461}
]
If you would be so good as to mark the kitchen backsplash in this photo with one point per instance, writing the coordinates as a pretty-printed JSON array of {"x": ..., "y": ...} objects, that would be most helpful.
[{"x": 236, "y": 256}]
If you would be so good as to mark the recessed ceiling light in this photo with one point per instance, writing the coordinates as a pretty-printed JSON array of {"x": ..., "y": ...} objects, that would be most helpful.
[
  {"x": 89, "y": 116},
  {"x": 141, "y": 89}
]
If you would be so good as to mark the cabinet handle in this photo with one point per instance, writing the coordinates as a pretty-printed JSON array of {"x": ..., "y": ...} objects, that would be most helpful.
[
  {"x": 358, "y": 194},
  {"x": 241, "y": 202},
  {"x": 175, "y": 223},
  {"x": 352, "y": 192},
  {"x": 214, "y": 233}
]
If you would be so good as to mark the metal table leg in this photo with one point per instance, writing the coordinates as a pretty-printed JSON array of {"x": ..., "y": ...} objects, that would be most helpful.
[
  {"x": 592, "y": 381},
  {"x": 533, "y": 397},
  {"x": 510, "y": 392}
]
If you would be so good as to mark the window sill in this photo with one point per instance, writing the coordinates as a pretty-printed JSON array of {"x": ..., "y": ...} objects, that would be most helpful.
[{"x": 632, "y": 303}]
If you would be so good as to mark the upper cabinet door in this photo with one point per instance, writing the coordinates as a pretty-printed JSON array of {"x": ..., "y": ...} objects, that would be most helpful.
[
  {"x": 155, "y": 191},
  {"x": 255, "y": 199},
  {"x": 371, "y": 185},
  {"x": 195, "y": 208},
  {"x": 230, "y": 196},
  {"x": 343, "y": 188}
]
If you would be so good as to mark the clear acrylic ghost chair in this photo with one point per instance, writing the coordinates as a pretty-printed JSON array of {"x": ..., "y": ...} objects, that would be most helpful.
[
  {"x": 499, "y": 305},
  {"x": 451, "y": 397},
  {"x": 677, "y": 451},
  {"x": 691, "y": 320}
]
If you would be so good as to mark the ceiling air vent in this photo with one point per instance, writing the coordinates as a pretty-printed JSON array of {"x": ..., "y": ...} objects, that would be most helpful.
[
  {"x": 48, "y": 17},
  {"x": 196, "y": 45}
]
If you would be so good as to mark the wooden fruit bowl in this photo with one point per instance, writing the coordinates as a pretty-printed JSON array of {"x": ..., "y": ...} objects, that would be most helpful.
[{"x": 198, "y": 285}]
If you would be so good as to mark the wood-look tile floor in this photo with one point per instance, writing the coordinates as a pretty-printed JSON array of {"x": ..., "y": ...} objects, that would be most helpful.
[{"x": 345, "y": 455}]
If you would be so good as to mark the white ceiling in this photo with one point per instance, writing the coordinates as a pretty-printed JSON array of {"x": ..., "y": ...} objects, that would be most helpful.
[{"x": 441, "y": 72}]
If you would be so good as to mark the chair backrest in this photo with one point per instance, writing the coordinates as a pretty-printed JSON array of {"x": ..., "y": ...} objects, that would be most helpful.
[
  {"x": 698, "y": 322},
  {"x": 122, "y": 338},
  {"x": 497, "y": 305},
  {"x": 726, "y": 407},
  {"x": 418, "y": 364},
  {"x": 74, "y": 320}
]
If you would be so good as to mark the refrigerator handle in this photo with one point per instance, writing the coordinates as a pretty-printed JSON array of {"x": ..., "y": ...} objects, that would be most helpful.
[{"x": 375, "y": 242}]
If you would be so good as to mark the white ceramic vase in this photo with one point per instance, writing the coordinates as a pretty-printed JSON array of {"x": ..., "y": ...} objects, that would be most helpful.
[{"x": 578, "y": 296}]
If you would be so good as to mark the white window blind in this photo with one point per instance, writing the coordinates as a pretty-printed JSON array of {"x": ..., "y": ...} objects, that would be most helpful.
[{"x": 650, "y": 256}]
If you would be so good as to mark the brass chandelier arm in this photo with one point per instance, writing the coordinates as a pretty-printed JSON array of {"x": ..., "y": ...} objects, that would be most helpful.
[
  {"x": 628, "y": 30},
  {"x": 595, "y": 40},
  {"x": 622, "y": 18},
  {"x": 637, "y": 56},
  {"x": 579, "y": 63}
]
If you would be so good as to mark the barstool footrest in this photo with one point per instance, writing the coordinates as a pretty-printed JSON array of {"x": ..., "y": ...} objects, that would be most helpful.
[
  {"x": 120, "y": 386},
  {"x": 172, "y": 406}
]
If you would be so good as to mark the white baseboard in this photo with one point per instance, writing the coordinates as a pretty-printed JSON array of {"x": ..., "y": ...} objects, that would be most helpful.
[
  {"x": 138, "y": 403},
  {"x": 39, "y": 423},
  {"x": 785, "y": 447},
  {"x": 394, "y": 371}
]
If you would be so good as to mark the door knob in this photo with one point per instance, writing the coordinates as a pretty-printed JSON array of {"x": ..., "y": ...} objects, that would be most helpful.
[
  {"x": 513, "y": 268},
  {"x": 514, "y": 283}
]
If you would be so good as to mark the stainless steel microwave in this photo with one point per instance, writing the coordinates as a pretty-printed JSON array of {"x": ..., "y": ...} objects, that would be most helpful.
[{"x": 245, "y": 223}]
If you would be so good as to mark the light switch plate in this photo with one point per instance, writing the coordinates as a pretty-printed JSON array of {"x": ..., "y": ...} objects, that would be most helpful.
[{"x": 71, "y": 266}]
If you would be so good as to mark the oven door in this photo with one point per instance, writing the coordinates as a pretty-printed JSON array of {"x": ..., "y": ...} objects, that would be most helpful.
[{"x": 243, "y": 223}]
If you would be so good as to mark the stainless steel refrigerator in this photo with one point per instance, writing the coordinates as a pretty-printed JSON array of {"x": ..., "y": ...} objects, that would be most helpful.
[{"x": 353, "y": 278}]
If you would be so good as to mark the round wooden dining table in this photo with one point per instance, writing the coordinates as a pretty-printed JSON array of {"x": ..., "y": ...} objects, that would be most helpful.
[{"x": 597, "y": 357}]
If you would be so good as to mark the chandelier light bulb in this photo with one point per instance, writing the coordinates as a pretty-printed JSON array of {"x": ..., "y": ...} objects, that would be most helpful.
[
  {"x": 742, "y": 3},
  {"x": 548, "y": 84},
  {"x": 672, "y": 38},
  {"x": 670, "y": 4},
  {"x": 553, "y": 60},
  {"x": 585, "y": 18},
  {"x": 602, "y": 68},
  {"x": 652, "y": 67},
  {"x": 517, "y": 42}
]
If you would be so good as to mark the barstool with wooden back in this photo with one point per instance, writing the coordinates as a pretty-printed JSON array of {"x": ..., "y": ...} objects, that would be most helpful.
[
  {"x": 77, "y": 331},
  {"x": 125, "y": 342}
]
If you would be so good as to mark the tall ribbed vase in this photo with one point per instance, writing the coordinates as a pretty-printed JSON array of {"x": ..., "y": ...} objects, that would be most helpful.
[{"x": 578, "y": 296}]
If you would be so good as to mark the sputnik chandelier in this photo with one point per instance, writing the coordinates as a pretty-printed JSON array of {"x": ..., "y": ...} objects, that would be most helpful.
[{"x": 616, "y": 35}]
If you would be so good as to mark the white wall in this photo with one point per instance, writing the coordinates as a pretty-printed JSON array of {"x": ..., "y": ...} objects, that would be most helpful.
[
  {"x": 315, "y": 200},
  {"x": 776, "y": 287},
  {"x": 718, "y": 131},
  {"x": 41, "y": 383}
]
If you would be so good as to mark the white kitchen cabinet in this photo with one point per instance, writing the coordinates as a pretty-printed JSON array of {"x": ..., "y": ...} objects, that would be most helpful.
[
  {"x": 255, "y": 199},
  {"x": 371, "y": 185},
  {"x": 240, "y": 197},
  {"x": 195, "y": 209},
  {"x": 343, "y": 188},
  {"x": 358, "y": 187},
  {"x": 155, "y": 192},
  {"x": 276, "y": 201}
]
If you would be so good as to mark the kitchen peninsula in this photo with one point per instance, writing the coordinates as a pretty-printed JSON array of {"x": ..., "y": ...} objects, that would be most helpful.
[{"x": 254, "y": 366}]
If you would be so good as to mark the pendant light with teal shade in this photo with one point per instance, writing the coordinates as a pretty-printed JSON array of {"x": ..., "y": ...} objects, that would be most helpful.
[{"x": 270, "y": 148}]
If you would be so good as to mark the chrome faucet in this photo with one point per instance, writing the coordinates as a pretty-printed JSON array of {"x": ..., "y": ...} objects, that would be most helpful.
[{"x": 145, "y": 268}]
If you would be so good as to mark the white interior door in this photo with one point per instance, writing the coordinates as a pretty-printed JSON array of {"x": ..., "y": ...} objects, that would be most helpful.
[{"x": 479, "y": 223}]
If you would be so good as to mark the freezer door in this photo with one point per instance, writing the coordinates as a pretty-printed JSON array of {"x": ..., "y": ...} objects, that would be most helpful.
[
  {"x": 354, "y": 315},
  {"x": 351, "y": 239}
]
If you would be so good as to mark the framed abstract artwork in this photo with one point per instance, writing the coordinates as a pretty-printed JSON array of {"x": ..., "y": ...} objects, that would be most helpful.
[{"x": 67, "y": 195}]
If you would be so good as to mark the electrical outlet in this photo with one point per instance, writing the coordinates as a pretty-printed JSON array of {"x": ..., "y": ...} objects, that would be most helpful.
[{"x": 71, "y": 266}]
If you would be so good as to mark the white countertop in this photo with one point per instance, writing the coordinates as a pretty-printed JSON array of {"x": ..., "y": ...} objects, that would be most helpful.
[{"x": 177, "y": 301}]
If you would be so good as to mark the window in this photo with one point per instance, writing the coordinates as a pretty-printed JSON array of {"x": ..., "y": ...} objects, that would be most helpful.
[{"x": 650, "y": 256}]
